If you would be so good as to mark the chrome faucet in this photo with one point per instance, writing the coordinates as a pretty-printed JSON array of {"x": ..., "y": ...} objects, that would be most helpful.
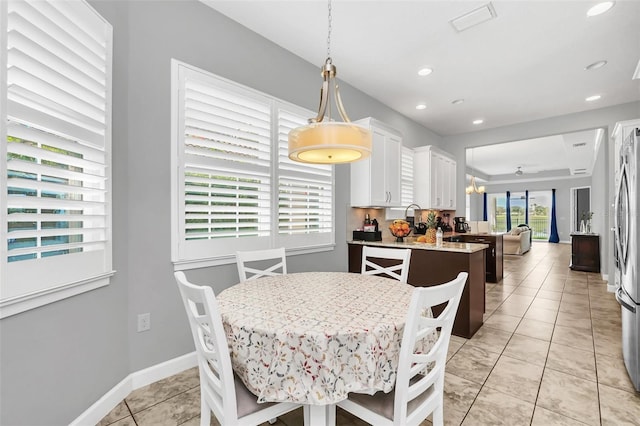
[{"x": 408, "y": 207}]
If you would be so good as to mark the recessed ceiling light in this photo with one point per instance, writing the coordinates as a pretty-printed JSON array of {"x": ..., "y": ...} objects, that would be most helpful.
[
  {"x": 479, "y": 121},
  {"x": 421, "y": 106},
  {"x": 600, "y": 8},
  {"x": 425, "y": 71},
  {"x": 457, "y": 101},
  {"x": 593, "y": 98},
  {"x": 595, "y": 65}
]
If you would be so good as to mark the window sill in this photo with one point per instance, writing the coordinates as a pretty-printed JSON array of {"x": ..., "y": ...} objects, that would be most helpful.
[
  {"x": 185, "y": 265},
  {"x": 23, "y": 303}
]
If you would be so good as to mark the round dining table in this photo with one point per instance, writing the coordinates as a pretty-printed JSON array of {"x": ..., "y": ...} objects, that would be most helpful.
[{"x": 313, "y": 337}]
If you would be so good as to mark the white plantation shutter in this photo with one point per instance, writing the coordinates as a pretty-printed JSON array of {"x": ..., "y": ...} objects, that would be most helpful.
[
  {"x": 234, "y": 186},
  {"x": 57, "y": 137},
  {"x": 225, "y": 149},
  {"x": 305, "y": 191},
  {"x": 406, "y": 179}
]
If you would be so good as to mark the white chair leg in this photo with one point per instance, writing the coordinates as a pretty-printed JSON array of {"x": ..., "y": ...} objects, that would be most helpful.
[
  {"x": 438, "y": 416},
  {"x": 205, "y": 414}
]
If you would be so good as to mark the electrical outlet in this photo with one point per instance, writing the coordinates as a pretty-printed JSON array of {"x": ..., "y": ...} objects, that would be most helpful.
[{"x": 144, "y": 322}]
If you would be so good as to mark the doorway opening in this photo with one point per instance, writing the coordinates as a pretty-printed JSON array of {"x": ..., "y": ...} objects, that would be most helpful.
[{"x": 580, "y": 206}]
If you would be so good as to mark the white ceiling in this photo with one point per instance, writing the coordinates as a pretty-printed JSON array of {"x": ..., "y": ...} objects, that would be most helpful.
[
  {"x": 526, "y": 64},
  {"x": 549, "y": 157}
]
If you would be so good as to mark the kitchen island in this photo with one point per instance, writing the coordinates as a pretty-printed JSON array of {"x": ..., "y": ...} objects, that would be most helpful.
[
  {"x": 493, "y": 255},
  {"x": 431, "y": 265}
]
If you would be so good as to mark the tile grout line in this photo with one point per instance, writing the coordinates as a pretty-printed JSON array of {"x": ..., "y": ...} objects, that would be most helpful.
[
  {"x": 507, "y": 344},
  {"x": 595, "y": 357}
]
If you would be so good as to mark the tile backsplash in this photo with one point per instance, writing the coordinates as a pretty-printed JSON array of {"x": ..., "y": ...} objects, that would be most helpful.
[{"x": 356, "y": 215}]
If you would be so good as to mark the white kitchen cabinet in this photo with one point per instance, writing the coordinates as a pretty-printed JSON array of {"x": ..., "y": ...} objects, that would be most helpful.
[
  {"x": 375, "y": 181},
  {"x": 434, "y": 179},
  {"x": 621, "y": 131}
]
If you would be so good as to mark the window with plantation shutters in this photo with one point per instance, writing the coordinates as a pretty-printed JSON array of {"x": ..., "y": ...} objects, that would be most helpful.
[
  {"x": 56, "y": 140},
  {"x": 234, "y": 187},
  {"x": 406, "y": 178}
]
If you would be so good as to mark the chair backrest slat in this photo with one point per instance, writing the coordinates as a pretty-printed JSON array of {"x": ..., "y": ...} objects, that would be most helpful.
[
  {"x": 370, "y": 267},
  {"x": 250, "y": 273},
  {"x": 418, "y": 327}
]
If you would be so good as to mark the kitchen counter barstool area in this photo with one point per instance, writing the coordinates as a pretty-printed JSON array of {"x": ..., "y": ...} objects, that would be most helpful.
[{"x": 431, "y": 266}]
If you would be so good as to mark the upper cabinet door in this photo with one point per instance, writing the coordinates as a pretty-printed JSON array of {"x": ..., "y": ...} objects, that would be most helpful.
[
  {"x": 393, "y": 169},
  {"x": 434, "y": 184},
  {"x": 375, "y": 181}
]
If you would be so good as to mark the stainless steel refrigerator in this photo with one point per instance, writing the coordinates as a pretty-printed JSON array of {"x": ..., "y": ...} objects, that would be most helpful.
[{"x": 627, "y": 227}]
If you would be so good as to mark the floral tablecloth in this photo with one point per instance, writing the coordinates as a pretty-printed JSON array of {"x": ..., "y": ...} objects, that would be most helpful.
[{"x": 313, "y": 337}]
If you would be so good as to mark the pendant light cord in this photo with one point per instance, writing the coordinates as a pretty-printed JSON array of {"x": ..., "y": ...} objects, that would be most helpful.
[{"x": 329, "y": 32}]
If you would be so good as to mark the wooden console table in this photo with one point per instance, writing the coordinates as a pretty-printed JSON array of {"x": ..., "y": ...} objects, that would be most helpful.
[{"x": 585, "y": 252}]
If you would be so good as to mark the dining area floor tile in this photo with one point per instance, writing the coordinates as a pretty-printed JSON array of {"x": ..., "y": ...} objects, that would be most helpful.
[{"x": 549, "y": 353}]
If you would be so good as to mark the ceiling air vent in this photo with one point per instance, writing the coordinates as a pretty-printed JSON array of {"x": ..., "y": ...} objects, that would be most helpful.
[
  {"x": 579, "y": 144},
  {"x": 579, "y": 173},
  {"x": 580, "y": 170},
  {"x": 473, "y": 18}
]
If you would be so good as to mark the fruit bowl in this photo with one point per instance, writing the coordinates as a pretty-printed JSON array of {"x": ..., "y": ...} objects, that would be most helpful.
[{"x": 400, "y": 229}]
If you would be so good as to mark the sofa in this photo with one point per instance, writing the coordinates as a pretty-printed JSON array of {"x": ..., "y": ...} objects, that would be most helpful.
[{"x": 517, "y": 241}]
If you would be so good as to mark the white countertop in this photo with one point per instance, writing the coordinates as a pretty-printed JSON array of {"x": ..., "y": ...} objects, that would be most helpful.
[{"x": 412, "y": 244}]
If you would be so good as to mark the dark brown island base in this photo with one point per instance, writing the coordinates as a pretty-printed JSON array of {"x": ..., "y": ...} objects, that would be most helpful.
[
  {"x": 494, "y": 254},
  {"x": 431, "y": 265}
]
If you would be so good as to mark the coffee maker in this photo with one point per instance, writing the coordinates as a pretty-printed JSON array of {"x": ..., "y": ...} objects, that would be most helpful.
[{"x": 460, "y": 224}]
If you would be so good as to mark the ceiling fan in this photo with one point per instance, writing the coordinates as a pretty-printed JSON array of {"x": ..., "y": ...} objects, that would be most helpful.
[{"x": 519, "y": 172}]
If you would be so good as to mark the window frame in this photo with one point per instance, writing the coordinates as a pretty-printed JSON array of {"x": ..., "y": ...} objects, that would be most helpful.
[
  {"x": 46, "y": 291},
  {"x": 295, "y": 244}
]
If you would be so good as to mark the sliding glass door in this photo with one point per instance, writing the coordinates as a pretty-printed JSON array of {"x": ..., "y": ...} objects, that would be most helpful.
[
  {"x": 497, "y": 212},
  {"x": 518, "y": 209},
  {"x": 538, "y": 206},
  {"x": 540, "y": 214}
]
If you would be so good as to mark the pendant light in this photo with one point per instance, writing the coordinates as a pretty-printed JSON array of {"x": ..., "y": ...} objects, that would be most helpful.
[
  {"x": 323, "y": 141},
  {"x": 472, "y": 182}
]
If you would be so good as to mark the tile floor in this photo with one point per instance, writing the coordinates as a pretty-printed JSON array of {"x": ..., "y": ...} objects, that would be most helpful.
[{"x": 549, "y": 353}]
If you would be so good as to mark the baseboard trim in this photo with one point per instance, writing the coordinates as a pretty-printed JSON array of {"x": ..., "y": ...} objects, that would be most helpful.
[
  {"x": 163, "y": 370},
  {"x": 133, "y": 381},
  {"x": 611, "y": 288}
]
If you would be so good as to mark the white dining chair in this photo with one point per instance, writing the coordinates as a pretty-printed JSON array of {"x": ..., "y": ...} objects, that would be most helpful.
[
  {"x": 221, "y": 391},
  {"x": 415, "y": 395},
  {"x": 399, "y": 271},
  {"x": 244, "y": 257}
]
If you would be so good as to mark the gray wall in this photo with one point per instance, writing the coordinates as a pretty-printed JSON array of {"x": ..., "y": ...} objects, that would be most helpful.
[
  {"x": 62, "y": 357},
  {"x": 57, "y": 360}
]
